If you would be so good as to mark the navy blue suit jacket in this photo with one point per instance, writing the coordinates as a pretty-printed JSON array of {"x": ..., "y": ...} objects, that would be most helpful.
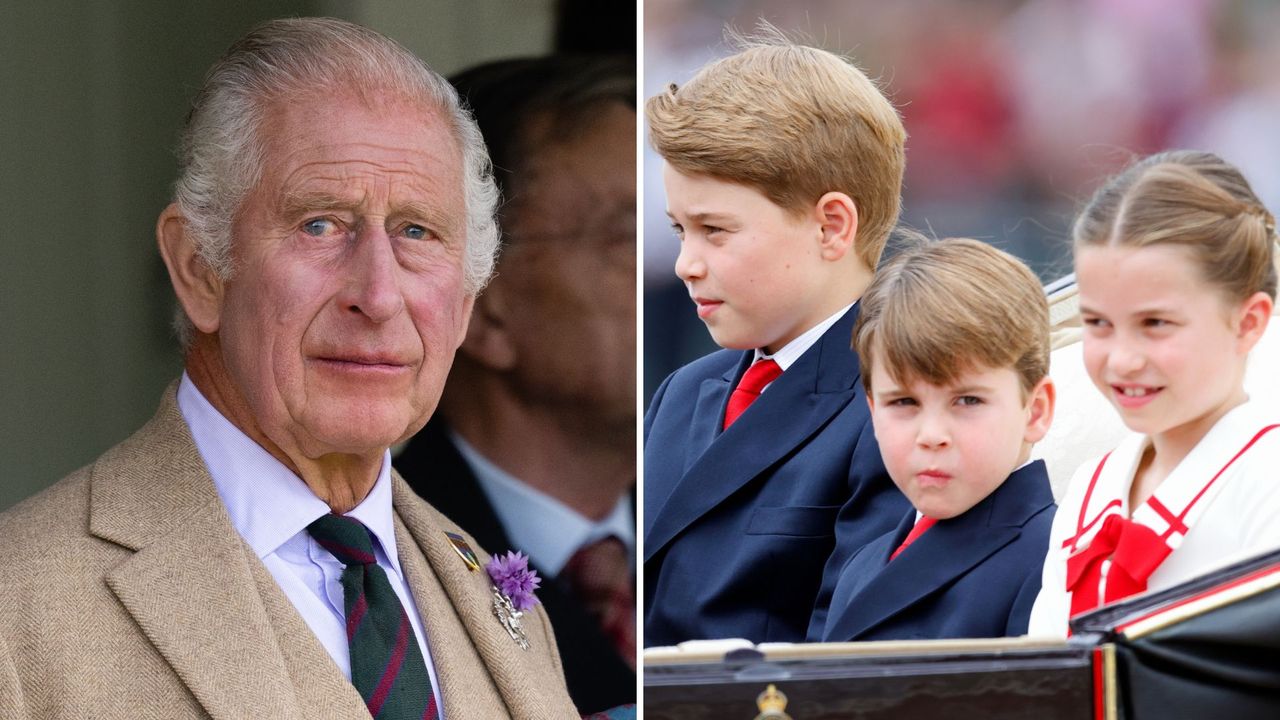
[
  {"x": 972, "y": 576},
  {"x": 597, "y": 676},
  {"x": 739, "y": 524}
]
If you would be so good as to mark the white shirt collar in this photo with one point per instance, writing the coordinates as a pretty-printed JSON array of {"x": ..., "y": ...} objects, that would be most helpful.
[
  {"x": 792, "y": 351},
  {"x": 542, "y": 527},
  {"x": 268, "y": 504}
]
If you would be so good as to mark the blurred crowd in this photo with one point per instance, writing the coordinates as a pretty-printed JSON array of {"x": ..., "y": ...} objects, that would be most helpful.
[{"x": 1016, "y": 109}]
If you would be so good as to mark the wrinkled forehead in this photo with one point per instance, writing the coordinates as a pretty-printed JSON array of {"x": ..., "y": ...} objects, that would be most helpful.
[
  {"x": 416, "y": 122},
  {"x": 352, "y": 142}
]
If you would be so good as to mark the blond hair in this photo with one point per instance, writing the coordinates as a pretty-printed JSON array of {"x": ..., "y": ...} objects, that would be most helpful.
[
  {"x": 793, "y": 122},
  {"x": 950, "y": 307},
  {"x": 1189, "y": 199}
]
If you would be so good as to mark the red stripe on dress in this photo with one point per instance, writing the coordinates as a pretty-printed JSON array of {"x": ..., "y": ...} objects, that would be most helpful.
[
  {"x": 357, "y": 614},
  {"x": 1102, "y": 514},
  {"x": 1175, "y": 523},
  {"x": 1182, "y": 515},
  {"x": 393, "y": 667},
  {"x": 430, "y": 712},
  {"x": 1084, "y": 506}
]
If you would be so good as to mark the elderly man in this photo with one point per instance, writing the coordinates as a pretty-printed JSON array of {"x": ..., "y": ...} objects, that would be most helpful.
[
  {"x": 534, "y": 444},
  {"x": 249, "y": 552}
]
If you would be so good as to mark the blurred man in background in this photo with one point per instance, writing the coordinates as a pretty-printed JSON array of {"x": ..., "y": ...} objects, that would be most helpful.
[{"x": 533, "y": 447}]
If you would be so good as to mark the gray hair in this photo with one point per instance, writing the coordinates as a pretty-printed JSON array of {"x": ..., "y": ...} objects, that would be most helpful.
[{"x": 220, "y": 150}]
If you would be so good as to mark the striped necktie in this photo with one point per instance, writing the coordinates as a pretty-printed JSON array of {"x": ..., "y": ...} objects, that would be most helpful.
[
  {"x": 386, "y": 663},
  {"x": 600, "y": 574}
]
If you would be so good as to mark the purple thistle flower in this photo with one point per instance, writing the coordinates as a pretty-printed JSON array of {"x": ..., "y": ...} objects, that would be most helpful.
[{"x": 513, "y": 578}]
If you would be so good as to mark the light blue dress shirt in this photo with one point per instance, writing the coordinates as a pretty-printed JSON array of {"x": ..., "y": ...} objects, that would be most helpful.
[
  {"x": 271, "y": 508},
  {"x": 540, "y": 526}
]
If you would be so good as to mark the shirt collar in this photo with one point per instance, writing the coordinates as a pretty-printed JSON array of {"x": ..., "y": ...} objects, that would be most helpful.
[
  {"x": 268, "y": 504},
  {"x": 792, "y": 351},
  {"x": 542, "y": 527}
]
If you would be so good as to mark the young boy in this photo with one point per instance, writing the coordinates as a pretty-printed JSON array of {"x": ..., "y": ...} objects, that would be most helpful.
[
  {"x": 783, "y": 174},
  {"x": 954, "y": 341}
]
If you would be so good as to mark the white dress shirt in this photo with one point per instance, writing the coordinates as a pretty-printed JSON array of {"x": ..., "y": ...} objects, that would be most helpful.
[
  {"x": 791, "y": 352},
  {"x": 271, "y": 508},
  {"x": 540, "y": 526}
]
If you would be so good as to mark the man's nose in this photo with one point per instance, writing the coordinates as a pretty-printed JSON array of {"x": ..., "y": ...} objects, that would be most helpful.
[
  {"x": 373, "y": 284},
  {"x": 689, "y": 263}
]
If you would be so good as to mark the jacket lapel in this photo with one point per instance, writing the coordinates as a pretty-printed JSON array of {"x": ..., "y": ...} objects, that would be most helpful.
[
  {"x": 456, "y": 607},
  {"x": 948, "y": 550},
  {"x": 189, "y": 585},
  {"x": 320, "y": 688},
  {"x": 708, "y": 413},
  {"x": 797, "y": 405}
]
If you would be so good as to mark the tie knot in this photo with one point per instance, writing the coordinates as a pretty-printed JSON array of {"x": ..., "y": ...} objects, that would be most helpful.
[
  {"x": 599, "y": 564},
  {"x": 347, "y": 538},
  {"x": 753, "y": 381},
  {"x": 759, "y": 375}
]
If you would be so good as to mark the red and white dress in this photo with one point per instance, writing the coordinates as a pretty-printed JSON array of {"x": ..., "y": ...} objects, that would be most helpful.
[{"x": 1221, "y": 504}]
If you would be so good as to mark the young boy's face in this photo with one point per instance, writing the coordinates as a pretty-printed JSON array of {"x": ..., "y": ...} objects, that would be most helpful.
[
  {"x": 752, "y": 268},
  {"x": 948, "y": 447}
]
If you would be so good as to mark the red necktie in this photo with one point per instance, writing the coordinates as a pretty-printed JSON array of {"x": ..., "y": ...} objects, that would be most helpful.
[
  {"x": 753, "y": 381},
  {"x": 600, "y": 574},
  {"x": 924, "y": 523}
]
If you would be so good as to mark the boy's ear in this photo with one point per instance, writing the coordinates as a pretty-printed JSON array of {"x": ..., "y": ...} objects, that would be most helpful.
[
  {"x": 488, "y": 340},
  {"x": 197, "y": 286},
  {"x": 1040, "y": 402},
  {"x": 838, "y": 216},
  {"x": 1255, "y": 314}
]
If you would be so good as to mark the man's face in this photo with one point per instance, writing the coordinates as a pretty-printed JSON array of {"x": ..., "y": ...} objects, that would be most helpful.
[
  {"x": 570, "y": 268},
  {"x": 347, "y": 301},
  {"x": 753, "y": 269}
]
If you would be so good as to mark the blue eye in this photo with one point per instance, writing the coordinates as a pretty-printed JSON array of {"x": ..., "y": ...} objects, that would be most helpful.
[
  {"x": 318, "y": 227},
  {"x": 968, "y": 400},
  {"x": 415, "y": 232}
]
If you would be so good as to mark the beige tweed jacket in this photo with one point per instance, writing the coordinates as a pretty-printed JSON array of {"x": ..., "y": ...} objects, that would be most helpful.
[{"x": 125, "y": 592}]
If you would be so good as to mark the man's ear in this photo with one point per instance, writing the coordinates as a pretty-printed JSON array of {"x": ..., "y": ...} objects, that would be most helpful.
[
  {"x": 838, "y": 217},
  {"x": 197, "y": 286},
  {"x": 488, "y": 339},
  {"x": 1041, "y": 403}
]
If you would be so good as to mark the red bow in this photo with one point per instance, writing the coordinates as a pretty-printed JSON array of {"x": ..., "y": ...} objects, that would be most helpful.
[{"x": 1135, "y": 551}]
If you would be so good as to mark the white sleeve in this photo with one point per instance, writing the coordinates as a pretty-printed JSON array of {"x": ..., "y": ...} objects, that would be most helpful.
[
  {"x": 1052, "y": 608},
  {"x": 1259, "y": 506}
]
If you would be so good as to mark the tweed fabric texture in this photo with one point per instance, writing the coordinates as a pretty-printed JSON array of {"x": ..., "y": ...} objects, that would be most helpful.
[{"x": 122, "y": 577}]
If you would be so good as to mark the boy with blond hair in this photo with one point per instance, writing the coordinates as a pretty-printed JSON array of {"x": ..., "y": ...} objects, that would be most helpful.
[
  {"x": 954, "y": 341},
  {"x": 783, "y": 174}
]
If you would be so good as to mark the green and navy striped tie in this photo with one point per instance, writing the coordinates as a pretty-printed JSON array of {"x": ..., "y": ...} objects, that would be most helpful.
[{"x": 386, "y": 663}]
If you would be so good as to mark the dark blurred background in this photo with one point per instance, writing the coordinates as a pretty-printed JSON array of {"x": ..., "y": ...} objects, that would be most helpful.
[
  {"x": 91, "y": 99},
  {"x": 1016, "y": 110}
]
